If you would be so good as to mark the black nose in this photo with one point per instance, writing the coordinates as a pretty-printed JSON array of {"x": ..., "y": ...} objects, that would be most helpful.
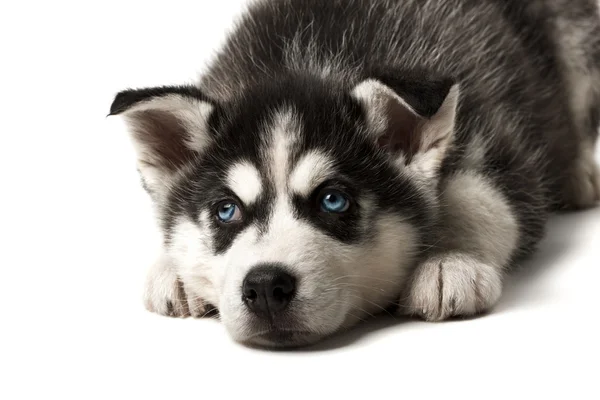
[{"x": 267, "y": 290}]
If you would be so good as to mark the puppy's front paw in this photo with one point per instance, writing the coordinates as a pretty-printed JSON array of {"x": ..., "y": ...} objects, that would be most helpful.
[
  {"x": 453, "y": 285},
  {"x": 165, "y": 294}
]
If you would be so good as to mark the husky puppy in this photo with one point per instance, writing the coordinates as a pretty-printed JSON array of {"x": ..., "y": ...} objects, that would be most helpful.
[{"x": 341, "y": 157}]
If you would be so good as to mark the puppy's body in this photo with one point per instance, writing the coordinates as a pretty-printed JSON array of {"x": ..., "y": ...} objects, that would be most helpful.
[{"x": 453, "y": 129}]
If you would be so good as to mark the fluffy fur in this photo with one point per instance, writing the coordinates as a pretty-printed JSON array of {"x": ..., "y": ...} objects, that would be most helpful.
[{"x": 452, "y": 128}]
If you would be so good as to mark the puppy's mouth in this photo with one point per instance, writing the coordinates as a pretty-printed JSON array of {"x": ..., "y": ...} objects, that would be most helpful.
[{"x": 280, "y": 338}]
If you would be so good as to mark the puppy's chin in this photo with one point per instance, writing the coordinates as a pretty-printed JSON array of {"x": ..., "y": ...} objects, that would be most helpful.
[
  {"x": 283, "y": 339},
  {"x": 288, "y": 337},
  {"x": 280, "y": 334},
  {"x": 285, "y": 332}
]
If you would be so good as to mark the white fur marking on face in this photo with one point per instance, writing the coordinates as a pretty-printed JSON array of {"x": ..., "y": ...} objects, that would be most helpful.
[
  {"x": 245, "y": 181},
  {"x": 377, "y": 269},
  {"x": 283, "y": 134},
  {"x": 189, "y": 244},
  {"x": 313, "y": 168}
]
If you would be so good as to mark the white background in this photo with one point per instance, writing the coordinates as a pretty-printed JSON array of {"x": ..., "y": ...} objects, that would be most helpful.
[{"x": 76, "y": 237}]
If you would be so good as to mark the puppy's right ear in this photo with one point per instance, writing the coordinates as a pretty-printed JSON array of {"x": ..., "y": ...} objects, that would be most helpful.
[{"x": 168, "y": 126}]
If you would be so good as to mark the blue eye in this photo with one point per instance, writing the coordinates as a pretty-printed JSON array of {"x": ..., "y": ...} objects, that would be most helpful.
[
  {"x": 333, "y": 201},
  {"x": 228, "y": 212}
]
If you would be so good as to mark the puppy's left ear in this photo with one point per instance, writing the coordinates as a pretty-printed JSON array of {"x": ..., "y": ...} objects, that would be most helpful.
[
  {"x": 411, "y": 119},
  {"x": 169, "y": 127}
]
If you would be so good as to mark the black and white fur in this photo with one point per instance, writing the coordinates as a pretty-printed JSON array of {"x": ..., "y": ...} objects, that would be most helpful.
[{"x": 455, "y": 127}]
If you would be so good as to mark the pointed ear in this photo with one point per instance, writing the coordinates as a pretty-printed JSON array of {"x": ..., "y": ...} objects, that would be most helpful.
[
  {"x": 168, "y": 127},
  {"x": 413, "y": 120}
]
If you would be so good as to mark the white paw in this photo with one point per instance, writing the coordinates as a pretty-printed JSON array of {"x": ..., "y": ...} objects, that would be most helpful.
[
  {"x": 453, "y": 285},
  {"x": 165, "y": 294}
]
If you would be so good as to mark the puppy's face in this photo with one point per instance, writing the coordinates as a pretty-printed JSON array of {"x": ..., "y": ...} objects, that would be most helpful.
[{"x": 298, "y": 207}]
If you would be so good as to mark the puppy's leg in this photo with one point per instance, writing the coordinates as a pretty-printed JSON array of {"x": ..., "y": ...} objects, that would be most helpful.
[
  {"x": 463, "y": 273},
  {"x": 165, "y": 293},
  {"x": 578, "y": 40},
  {"x": 583, "y": 189}
]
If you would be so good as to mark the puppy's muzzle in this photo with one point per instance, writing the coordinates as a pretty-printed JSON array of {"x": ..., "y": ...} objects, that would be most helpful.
[{"x": 267, "y": 290}]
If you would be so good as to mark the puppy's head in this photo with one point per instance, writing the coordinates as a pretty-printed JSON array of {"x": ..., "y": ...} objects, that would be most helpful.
[{"x": 298, "y": 207}]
